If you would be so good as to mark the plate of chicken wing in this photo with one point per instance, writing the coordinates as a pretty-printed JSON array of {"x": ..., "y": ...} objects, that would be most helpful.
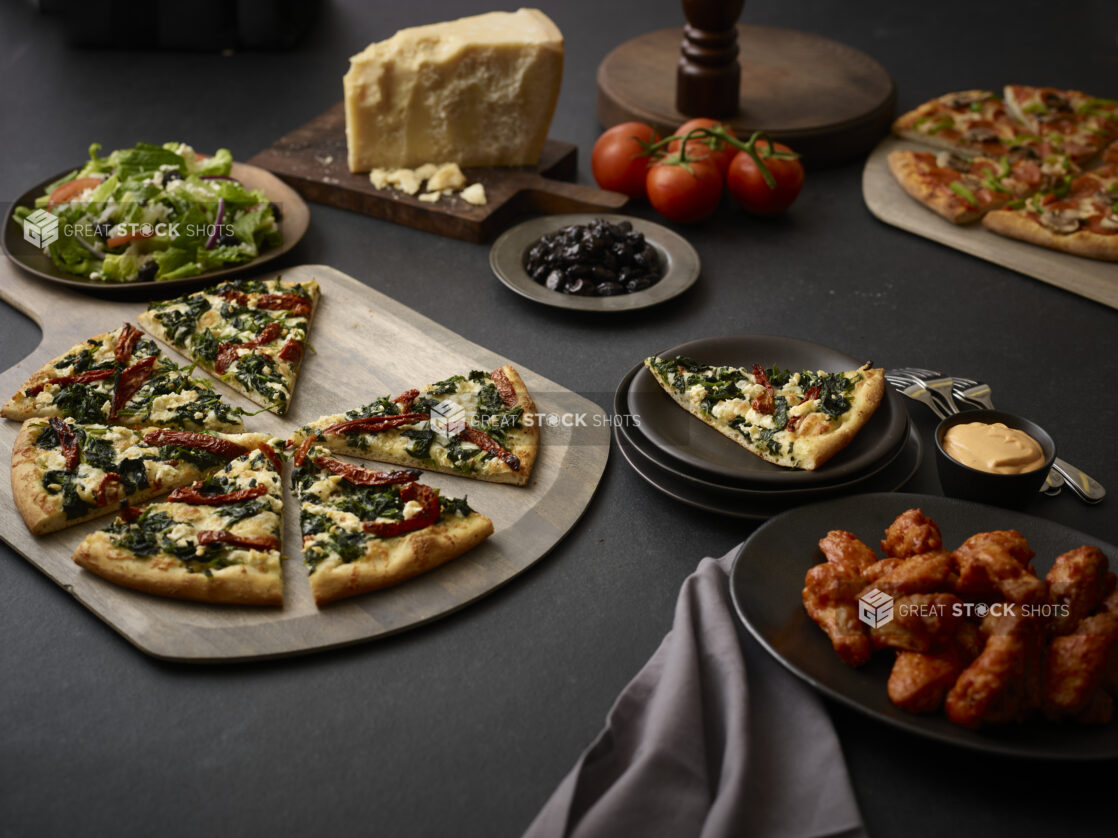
[{"x": 972, "y": 625}]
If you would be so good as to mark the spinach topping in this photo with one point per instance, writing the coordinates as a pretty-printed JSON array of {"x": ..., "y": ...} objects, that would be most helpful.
[
  {"x": 133, "y": 474},
  {"x": 257, "y": 373},
  {"x": 82, "y": 402},
  {"x": 494, "y": 417},
  {"x": 83, "y": 360},
  {"x": 445, "y": 388},
  {"x": 98, "y": 452},
  {"x": 196, "y": 456},
  {"x": 464, "y": 459},
  {"x": 454, "y": 506},
  {"x": 421, "y": 447},
  {"x": 180, "y": 325},
  {"x": 144, "y": 536},
  {"x": 383, "y": 406},
  {"x": 66, "y": 483},
  {"x": 478, "y": 375},
  {"x": 234, "y": 512},
  {"x": 369, "y": 502},
  {"x": 205, "y": 346}
]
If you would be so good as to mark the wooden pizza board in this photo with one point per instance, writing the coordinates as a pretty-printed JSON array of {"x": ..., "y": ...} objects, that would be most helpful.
[
  {"x": 828, "y": 101},
  {"x": 366, "y": 345},
  {"x": 312, "y": 159},
  {"x": 1091, "y": 278}
]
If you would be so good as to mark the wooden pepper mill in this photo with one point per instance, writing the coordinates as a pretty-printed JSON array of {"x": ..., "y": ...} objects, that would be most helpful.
[{"x": 708, "y": 76}]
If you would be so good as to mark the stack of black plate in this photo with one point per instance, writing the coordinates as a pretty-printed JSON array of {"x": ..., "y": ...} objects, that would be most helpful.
[{"x": 695, "y": 464}]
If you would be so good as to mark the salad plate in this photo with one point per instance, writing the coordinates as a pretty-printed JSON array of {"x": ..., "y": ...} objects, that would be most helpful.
[{"x": 24, "y": 246}]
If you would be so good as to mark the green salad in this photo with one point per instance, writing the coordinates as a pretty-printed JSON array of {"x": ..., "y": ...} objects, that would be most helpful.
[{"x": 153, "y": 212}]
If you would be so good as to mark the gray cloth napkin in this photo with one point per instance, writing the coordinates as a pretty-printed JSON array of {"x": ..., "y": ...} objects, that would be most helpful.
[{"x": 712, "y": 738}]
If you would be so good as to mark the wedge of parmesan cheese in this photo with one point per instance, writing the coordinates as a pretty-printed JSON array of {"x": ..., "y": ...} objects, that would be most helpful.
[{"x": 478, "y": 91}]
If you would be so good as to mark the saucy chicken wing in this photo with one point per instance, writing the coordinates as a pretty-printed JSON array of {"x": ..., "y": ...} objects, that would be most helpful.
[
  {"x": 1078, "y": 582},
  {"x": 911, "y": 534},
  {"x": 919, "y": 681},
  {"x": 1003, "y": 683},
  {"x": 1078, "y": 666},
  {"x": 846, "y": 549},
  {"x": 920, "y": 623},
  {"x": 917, "y": 575},
  {"x": 830, "y": 597},
  {"x": 995, "y": 565}
]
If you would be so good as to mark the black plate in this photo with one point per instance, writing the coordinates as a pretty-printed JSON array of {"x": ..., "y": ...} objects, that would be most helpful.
[
  {"x": 768, "y": 576},
  {"x": 506, "y": 258},
  {"x": 755, "y": 508},
  {"x": 641, "y": 446},
  {"x": 702, "y": 450},
  {"x": 296, "y": 219}
]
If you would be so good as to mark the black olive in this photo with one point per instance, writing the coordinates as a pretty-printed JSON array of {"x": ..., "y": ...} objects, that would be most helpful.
[
  {"x": 170, "y": 175},
  {"x": 638, "y": 284},
  {"x": 554, "y": 280},
  {"x": 624, "y": 227},
  {"x": 608, "y": 289},
  {"x": 599, "y": 274},
  {"x": 277, "y": 212},
  {"x": 148, "y": 270},
  {"x": 579, "y": 287},
  {"x": 228, "y": 240},
  {"x": 598, "y": 258}
]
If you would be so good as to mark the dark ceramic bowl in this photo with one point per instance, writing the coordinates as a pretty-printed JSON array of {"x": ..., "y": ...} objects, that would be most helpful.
[{"x": 1012, "y": 490}]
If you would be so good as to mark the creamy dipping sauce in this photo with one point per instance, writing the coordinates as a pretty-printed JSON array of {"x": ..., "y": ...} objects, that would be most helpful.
[{"x": 994, "y": 448}]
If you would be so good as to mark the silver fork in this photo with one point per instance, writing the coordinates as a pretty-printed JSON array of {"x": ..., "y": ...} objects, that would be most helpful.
[
  {"x": 914, "y": 388},
  {"x": 937, "y": 382},
  {"x": 1086, "y": 487}
]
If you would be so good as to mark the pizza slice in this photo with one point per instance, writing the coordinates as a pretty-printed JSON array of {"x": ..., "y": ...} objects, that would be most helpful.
[
  {"x": 251, "y": 334},
  {"x": 793, "y": 419},
  {"x": 364, "y": 530},
  {"x": 64, "y": 472},
  {"x": 217, "y": 540},
  {"x": 1078, "y": 123},
  {"x": 479, "y": 425},
  {"x": 977, "y": 120},
  {"x": 122, "y": 378},
  {"x": 963, "y": 189},
  {"x": 1079, "y": 217}
]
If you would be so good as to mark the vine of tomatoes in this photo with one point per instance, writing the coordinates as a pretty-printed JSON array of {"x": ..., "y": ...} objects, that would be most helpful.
[{"x": 683, "y": 175}]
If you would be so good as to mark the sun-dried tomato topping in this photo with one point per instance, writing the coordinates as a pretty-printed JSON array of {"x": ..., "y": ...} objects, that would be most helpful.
[
  {"x": 425, "y": 518},
  {"x": 811, "y": 393},
  {"x": 63, "y": 380},
  {"x": 405, "y": 399},
  {"x": 109, "y": 479},
  {"x": 129, "y": 334},
  {"x": 128, "y": 382},
  {"x": 292, "y": 351},
  {"x": 192, "y": 494},
  {"x": 375, "y": 424},
  {"x": 273, "y": 458},
  {"x": 129, "y": 513},
  {"x": 301, "y": 451},
  {"x": 487, "y": 443},
  {"x": 792, "y": 422},
  {"x": 766, "y": 402},
  {"x": 67, "y": 442},
  {"x": 284, "y": 302},
  {"x": 504, "y": 387},
  {"x": 227, "y": 352},
  {"x": 232, "y": 294},
  {"x": 762, "y": 379},
  {"x": 363, "y": 476},
  {"x": 191, "y": 439},
  {"x": 252, "y": 542}
]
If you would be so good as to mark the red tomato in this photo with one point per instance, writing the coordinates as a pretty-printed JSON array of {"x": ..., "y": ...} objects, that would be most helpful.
[
  {"x": 748, "y": 186},
  {"x": 617, "y": 160},
  {"x": 719, "y": 152},
  {"x": 682, "y": 195}
]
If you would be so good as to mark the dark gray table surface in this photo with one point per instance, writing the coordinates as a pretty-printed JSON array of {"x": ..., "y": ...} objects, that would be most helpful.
[{"x": 465, "y": 726}]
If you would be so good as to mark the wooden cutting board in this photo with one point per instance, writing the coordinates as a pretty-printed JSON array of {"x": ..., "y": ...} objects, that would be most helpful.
[
  {"x": 312, "y": 159},
  {"x": 885, "y": 198},
  {"x": 366, "y": 345}
]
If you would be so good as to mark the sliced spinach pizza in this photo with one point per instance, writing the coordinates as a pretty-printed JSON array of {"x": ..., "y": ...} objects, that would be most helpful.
[
  {"x": 364, "y": 530},
  {"x": 479, "y": 425},
  {"x": 64, "y": 472},
  {"x": 794, "y": 419},
  {"x": 251, "y": 334},
  {"x": 122, "y": 378},
  {"x": 217, "y": 540}
]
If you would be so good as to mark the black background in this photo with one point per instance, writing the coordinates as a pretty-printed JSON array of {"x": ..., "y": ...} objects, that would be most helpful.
[{"x": 465, "y": 726}]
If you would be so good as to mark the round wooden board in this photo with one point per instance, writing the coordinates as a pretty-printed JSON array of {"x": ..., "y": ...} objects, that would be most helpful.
[{"x": 827, "y": 100}]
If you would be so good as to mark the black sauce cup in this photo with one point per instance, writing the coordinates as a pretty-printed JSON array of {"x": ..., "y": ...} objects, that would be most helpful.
[{"x": 1011, "y": 490}]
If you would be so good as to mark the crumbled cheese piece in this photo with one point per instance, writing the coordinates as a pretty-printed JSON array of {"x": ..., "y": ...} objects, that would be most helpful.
[
  {"x": 430, "y": 197},
  {"x": 448, "y": 176},
  {"x": 474, "y": 194},
  {"x": 378, "y": 178},
  {"x": 426, "y": 171},
  {"x": 405, "y": 180}
]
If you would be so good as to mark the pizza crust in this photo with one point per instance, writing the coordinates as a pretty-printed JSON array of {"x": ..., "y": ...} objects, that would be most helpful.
[
  {"x": 904, "y": 167},
  {"x": 390, "y": 561},
  {"x": 1017, "y": 225},
  {"x": 259, "y": 583}
]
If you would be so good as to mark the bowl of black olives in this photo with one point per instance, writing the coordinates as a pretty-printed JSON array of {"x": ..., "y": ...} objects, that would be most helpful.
[{"x": 594, "y": 262}]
